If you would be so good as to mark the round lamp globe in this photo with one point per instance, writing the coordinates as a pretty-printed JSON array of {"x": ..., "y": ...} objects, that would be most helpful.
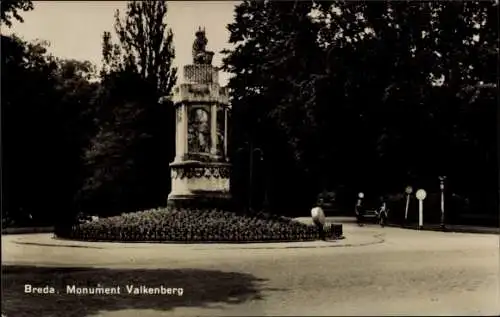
[{"x": 421, "y": 194}]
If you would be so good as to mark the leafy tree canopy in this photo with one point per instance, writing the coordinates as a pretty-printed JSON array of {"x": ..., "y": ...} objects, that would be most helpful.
[
  {"x": 10, "y": 10},
  {"x": 126, "y": 161},
  {"x": 364, "y": 92},
  {"x": 145, "y": 45}
]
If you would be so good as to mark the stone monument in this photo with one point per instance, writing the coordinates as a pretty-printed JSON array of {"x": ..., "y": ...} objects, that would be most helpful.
[{"x": 200, "y": 170}]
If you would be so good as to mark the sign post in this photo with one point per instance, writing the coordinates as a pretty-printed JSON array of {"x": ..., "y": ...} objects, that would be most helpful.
[
  {"x": 408, "y": 191},
  {"x": 421, "y": 194},
  {"x": 441, "y": 186}
]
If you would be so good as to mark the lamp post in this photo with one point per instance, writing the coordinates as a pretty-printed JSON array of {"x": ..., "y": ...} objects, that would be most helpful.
[
  {"x": 266, "y": 180},
  {"x": 408, "y": 192},
  {"x": 251, "y": 151},
  {"x": 441, "y": 186},
  {"x": 359, "y": 208}
]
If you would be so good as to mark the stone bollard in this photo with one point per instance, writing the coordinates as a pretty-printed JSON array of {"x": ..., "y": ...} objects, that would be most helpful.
[{"x": 318, "y": 217}]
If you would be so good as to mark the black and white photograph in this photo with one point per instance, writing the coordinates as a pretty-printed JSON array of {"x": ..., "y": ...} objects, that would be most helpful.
[{"x": 250, "y": 158}]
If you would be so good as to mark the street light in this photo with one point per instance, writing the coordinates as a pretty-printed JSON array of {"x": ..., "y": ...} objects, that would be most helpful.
[
  {"x": 441, "y": 186},
  {"x": 251, "y": 152},
  {"x": 408, "y": 192},
  {"x": 261, "y": 159},
  {"x": 250, "y": 181}
]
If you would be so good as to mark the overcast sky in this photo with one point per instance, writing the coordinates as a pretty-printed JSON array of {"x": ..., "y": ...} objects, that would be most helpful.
[{"x": 74, "y": 28}]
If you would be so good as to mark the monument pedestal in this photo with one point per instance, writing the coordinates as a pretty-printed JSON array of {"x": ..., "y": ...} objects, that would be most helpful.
[
  {"x": 198, "y": 184},
  {"x": 200, "y": 171}
]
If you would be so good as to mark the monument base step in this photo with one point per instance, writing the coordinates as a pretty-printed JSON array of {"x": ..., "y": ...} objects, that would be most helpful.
[{"x": 200, "y": 201}]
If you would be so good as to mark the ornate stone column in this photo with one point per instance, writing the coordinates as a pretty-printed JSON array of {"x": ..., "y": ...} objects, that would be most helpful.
[
  {"x": 213, "y": 129},
  {"x": 200, "y": 171}
]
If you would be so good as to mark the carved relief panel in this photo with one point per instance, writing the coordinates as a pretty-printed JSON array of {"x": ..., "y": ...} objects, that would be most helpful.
[
  {"x": 199, "y": 139},
  {"x": 179, "y": 115}
]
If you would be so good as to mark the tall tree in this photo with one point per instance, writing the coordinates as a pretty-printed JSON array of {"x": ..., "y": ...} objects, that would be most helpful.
[
  {"x": 43, "y": 133},
  {"x": 27, "y": 101},
  {"x": 272, "y": 105},
  {"x": 10, "y": 10},
  {"x": 413, "y": 59},
  {"x": 386, "y": 95},
  {"x": 145, "y": 45},
  {"x": 127, "y": 159}
]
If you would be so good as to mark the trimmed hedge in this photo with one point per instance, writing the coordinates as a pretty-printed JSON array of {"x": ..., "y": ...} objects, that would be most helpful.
[{"x": 183, "y": 225}]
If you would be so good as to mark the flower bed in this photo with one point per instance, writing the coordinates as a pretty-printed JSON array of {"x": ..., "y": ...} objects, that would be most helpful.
[{"x": 171, "y": 225}]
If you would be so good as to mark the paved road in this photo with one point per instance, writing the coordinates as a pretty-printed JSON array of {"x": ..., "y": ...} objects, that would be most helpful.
[{"x": 374, "y": 271}]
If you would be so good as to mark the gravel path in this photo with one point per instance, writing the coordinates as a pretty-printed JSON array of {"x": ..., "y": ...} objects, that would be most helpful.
[{"x": 374, "y": 271}]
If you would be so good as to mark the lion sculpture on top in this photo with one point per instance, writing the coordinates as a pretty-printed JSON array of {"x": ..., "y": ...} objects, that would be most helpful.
[{"x": 200, "y": 54}]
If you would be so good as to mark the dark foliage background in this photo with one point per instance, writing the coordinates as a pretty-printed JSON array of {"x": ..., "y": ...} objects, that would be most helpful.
[{"x": 368, "y": 97}]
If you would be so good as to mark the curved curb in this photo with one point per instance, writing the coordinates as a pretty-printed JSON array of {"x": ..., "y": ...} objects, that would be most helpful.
[
  {"x": 373, "y": 240},
  {"x": 26, "y": 230},
  {"x": 378, "y": 240},
  {"x": 56, "y": 245},
  {"x": 450, "y": 229},
  {"x": 192, "y": 242}
]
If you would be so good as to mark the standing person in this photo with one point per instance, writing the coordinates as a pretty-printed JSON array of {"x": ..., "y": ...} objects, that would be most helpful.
[
  {"x": 318, "y": 217},
  {"x": 359, "y": 209},
  {"x": 382, "y": 214}
]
